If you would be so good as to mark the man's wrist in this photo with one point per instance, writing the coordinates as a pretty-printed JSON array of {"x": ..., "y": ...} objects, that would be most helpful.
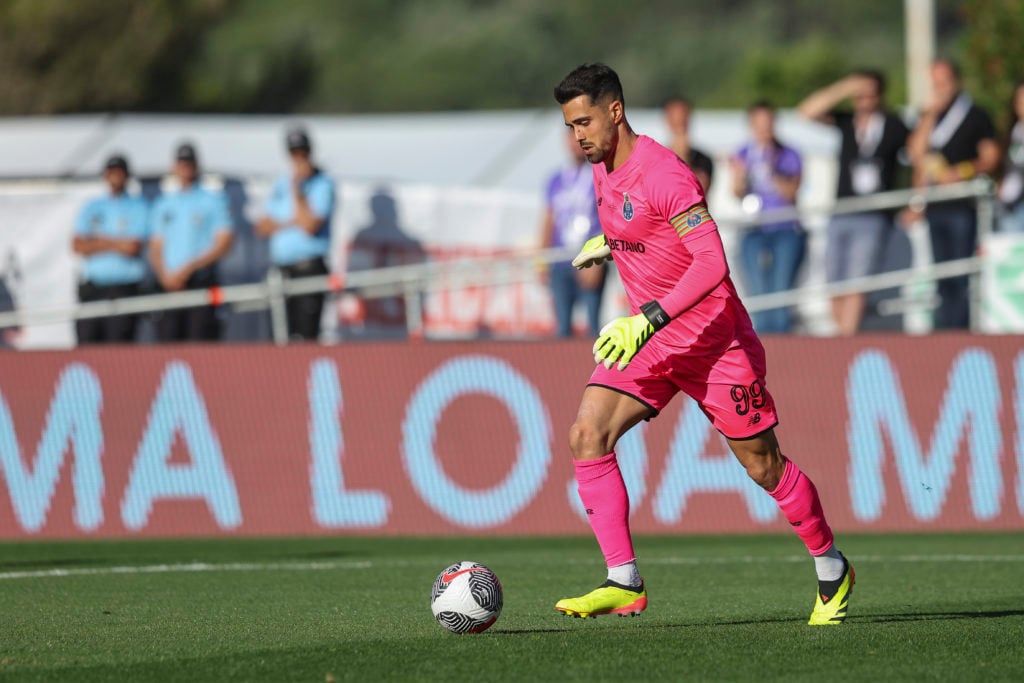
[{"x": 655, "y": 314}]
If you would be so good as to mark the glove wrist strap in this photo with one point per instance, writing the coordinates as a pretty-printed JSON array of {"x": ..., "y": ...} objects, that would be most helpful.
[{"x": 655, "y": 314}]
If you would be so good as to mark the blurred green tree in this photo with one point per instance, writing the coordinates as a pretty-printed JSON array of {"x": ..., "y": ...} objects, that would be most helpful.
[
  {"x": 994, "y": 53},
  {"x": 98, "y": 55},
  {"x": 423, "y": 55}
]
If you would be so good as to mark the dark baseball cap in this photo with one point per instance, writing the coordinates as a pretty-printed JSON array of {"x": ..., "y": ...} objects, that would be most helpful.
[
  {"x": 186, "y": 151},
  {"x": 116, "y": 161},
  {"x": 297, "y": 138}
]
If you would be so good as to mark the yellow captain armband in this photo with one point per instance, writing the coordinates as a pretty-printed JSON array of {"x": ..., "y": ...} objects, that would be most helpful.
[{"x": 966, "y": 170}]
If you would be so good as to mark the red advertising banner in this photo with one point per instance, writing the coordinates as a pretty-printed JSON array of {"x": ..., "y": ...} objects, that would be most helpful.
[{"x": 898, "y": 433}]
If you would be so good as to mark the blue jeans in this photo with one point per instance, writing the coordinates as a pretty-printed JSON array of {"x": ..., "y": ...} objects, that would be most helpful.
[
  {"x": 566, "y": 291},
  {"x": 953, "y": 228},
  {"x": 770, "y": 263}
]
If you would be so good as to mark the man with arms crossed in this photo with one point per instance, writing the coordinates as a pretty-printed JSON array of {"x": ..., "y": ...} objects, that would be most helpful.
[{"x": 689, "y": 332}]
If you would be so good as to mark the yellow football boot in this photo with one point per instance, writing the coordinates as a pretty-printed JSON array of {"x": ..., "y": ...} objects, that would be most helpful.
[
  {"x": 833, "y": 599},
  {"x": 608, "y": 598}
]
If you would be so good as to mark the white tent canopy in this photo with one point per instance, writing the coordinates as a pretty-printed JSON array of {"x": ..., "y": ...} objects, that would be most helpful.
[{"x": 512, "y": 150}]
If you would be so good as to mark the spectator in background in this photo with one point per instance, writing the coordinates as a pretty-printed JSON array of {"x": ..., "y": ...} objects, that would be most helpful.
[
  {"x": 297, "y": 221},
  {"x": 109, "y": 235},
  {"x": 191, "y": 232},
  {"x": 677, "y": 117},
  {"x": 570, "y": 219},
  {"x": 871, "y": 141},
  {"x": 1011, "y": 188},
  {"x": 954, "y": 141},
  {"x": 766, "y": 175}
]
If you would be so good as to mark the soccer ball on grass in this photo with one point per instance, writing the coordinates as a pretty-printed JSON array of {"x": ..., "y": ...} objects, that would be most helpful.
[{"x": 466, "y": 598}]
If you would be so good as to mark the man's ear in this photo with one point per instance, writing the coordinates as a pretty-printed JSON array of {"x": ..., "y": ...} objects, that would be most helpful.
[{"x": 616, "y": 111}]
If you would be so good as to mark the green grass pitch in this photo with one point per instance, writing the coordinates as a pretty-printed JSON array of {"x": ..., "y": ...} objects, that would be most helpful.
[{"x": 926, "y": 607}]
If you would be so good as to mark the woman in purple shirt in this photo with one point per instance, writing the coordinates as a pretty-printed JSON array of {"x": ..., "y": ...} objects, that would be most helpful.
[
  {"x": 570, "y": 219},
  {"x": 766, "y": 175}
]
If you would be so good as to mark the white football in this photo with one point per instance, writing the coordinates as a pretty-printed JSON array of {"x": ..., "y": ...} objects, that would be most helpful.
[{"x": 466, "y": 598}]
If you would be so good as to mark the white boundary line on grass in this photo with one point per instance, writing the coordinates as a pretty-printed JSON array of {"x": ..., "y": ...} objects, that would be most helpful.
[
  {"x": 189, "y": 567},
  {"x": 343, "y": 565}
]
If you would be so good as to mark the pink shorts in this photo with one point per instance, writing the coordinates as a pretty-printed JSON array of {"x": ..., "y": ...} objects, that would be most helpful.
[{"x": 728, "y": 386}]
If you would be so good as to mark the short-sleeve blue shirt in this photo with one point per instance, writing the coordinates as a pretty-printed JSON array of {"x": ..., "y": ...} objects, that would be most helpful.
[
  {"x": 291, "y": 244},
  {"x": 114, "y": 217},
  {"x": 187, "y": 221}
]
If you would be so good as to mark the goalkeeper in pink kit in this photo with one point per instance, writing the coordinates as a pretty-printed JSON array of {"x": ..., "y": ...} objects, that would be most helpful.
[{"x": 689, "y": 332}]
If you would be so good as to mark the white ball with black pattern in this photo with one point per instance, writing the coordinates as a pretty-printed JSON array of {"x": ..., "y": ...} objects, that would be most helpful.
[{"x": 466, "y": 598}]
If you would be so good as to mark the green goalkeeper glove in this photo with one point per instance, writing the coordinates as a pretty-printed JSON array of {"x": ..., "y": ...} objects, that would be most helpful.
[
  {"x": 622, "y": 338},
  {"x": 595, "y": 251}
]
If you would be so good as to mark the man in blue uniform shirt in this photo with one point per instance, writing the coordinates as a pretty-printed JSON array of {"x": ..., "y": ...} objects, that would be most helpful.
[
  {"x": 298, "y": 223},
  {"x": 109, "y": 234},
  {"x": 191, "y": 232}
]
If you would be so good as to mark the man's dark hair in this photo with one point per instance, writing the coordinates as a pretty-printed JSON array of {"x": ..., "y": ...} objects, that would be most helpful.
[
  {"x": 598, "y": 81},
  {"x": 676, "y": 99},
  {"x": 761, "y": 104},
  {"x": 877, "y": 76}
]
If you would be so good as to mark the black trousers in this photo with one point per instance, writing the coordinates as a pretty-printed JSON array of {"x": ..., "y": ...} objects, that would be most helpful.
[
  {"x": 115, "y": 329},
  {"x": 304, "y": 311},
  {"x": 191, "y": 324},
  {"x": 953, "y": 227}
]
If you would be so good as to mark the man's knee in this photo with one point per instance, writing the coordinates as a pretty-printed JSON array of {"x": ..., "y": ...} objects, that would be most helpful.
[
  {"x": 764, "y": 471},
  {"x": 763, "y": 461},
  {"x": 587, "y": 440}
]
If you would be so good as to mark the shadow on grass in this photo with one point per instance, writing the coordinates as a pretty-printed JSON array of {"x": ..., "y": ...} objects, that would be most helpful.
[
  {"x": 866, "y": 618},
  {"x": 526, "y": 631},
  {"x": 853, "y": 619},
  {"x": 938, "y": 616}
]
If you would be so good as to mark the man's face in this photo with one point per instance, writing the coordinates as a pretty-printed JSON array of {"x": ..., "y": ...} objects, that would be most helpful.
[
  {"x": 574, "y": 147},
  {"x": 185, "y": 171},
  {"x": 867, "y": 99},
  {"x": 762, "y": 125},
  {"x": 116, "y": 179},
  {"x": 944, "y": 85},
  {"x": 594, "y": 126},
  {"x": 301, "y": 164},
  {"x": 677, "y": 117}
]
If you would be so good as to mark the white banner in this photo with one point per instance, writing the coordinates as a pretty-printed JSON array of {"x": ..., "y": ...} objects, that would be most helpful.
[
  {"x": 375, "y": 225},
  {"x": 36, "y": 262}
]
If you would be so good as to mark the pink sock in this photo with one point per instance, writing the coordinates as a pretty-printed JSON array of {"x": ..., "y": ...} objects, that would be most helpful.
[
  {"x": 604, "y": 496},
  {"x": 798, "y": 500}
]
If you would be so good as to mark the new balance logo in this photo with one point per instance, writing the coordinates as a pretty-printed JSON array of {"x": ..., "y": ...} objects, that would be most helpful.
[
  {"x": 590, "y": 511},
  {"x": 754, "y": 419}
]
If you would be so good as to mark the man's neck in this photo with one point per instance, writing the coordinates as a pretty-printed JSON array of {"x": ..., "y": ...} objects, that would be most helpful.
[
  {"x": 623, "y": 149},
  {"x": 681, "y": 146},
  {"x": 865, "y": 115}
]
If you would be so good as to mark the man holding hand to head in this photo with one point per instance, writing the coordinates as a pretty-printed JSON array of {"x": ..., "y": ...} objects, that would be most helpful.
[{"x": 297, "y": 220}]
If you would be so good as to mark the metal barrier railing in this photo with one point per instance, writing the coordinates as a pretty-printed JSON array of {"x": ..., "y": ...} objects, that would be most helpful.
[{"x": 411, "y": 281}]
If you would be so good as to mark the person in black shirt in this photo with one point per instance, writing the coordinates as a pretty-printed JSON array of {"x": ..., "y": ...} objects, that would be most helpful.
[
  {"x": 1011, "y": 188},
  {"x": 954, "y": 141},
  {"x": 677, "y": 118},
  {"x": 871, "y": 140}
]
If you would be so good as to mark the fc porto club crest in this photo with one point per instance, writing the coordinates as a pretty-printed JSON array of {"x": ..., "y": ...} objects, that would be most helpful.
[{"x": 627, "y": 207}]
